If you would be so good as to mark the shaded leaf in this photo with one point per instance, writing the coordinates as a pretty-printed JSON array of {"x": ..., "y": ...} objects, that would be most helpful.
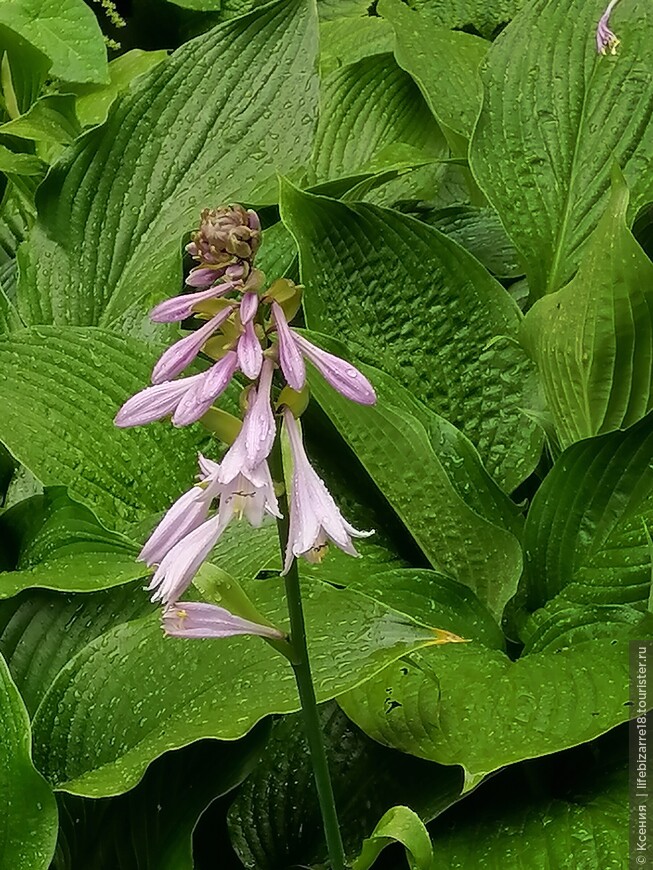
[{"x": 398, "y": 825}]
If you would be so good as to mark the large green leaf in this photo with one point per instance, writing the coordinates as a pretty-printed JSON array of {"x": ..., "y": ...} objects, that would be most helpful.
[
  {"x": 447, "y": 332},
  {"x": 177, "y": 143},
  {"x": 573, "y": 816},
  {"x": 444, "y": 63},
  {"x": 28, "y": 825},
  {"x": 275, "y": 819},
  {"x": 367, "y": 108},
  {"x": 346, "y": 41},
  {"x": 149, "y": 827},
  {"x": 432, "y": 477},
  {"x": 593, "y": 340},
  {"x": 483, "y": 17},
  {"x": 554, "y": 116},
  {"x": 475, "y": 707},
  {"x": 133, "y": 693},
  {"x": 69, "y": 550},
  {"x": 398, "y": 825},
  {"x": 587, "y": 531},
  {"x": 65, "y": 31},
  {"x": 60, "y": 389}
]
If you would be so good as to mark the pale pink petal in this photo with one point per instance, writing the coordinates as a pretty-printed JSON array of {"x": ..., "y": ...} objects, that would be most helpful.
[
  {"x": 290, "y": 359},
  {"x": 248, "y": 306},
  {"x": 202, "y": 277},
  {"x": 250, "y": 352},
  {"x": 183, "y": 352},
  {"x": 211, "y": 385},
  {"x": 153, "y": 403},
  {"x": 340, "y": 374},
  {"x": 181, "y": 307},
  {"x": 180, "y": 564},
  {"x": 186, "y": 514},
  {"x": 191, "y": 619}
]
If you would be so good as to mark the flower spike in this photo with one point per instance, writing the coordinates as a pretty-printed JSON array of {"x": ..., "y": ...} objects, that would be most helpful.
[{"x": 605, "y": 38}]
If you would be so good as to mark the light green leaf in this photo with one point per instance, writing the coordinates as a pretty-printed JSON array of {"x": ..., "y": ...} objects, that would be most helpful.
[
  {"x": 69, "y": 551},
  {"x": 28, "y": 825},
  {"x": 172, "y": 692},
  {"x": 19, "y": 164},
  {"x": 444, "y": 63},
  {"x": 334, "y": 9},
  {"x": 65, "y": 31},
  {"x": 60, "y": 389},
  {"x": 367, "y": 107},
  {"x": 177, "y": 143},
  {"x": 586, "y": 533},
  {"x": 398, "y": 825},
  {"x": 593, "y": 340},
  {"x": 441, "y": 494},
  {"x": 555, "y": 115},
  {"x": 93, "y": 103},
  {"x": 51, "y": 120},
  {"x": 484, "y": 17},
  {"x": 472, "y": 705},
  {"x": 150, "y": 827},
  {"x": 448, "y": 334},
  {"x": 275, "y": 820},
  {"x": 345, "y": 41}
]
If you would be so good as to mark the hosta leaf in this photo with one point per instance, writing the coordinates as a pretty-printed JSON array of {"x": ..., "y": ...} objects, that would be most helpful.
[
  {"x": 587, "y": 531},
  {"x": 275, "y": 820},
  {"x": 93, "y": 103},
  {"x": 41, "y": 631},
  {"x": 140, "y": 693},
  {"x": 345, "y": 41},
  {"x": 69, "y": 550},
  {"x": 19, "y": 164},
  {"x": 484, "y": 17},
  {"x": 440, "y": 708},
  {"x": 444, "y": 63},
  {"x": 434, "y": 485},
  {"x": 28, "y": 825},
  {"x": 593, "y": 340},
  {"x": 177, "y": 143},
  {"x": 571, "y": 823},
  {"x": 398, "y": 825},
  {"x": 447, "y": 333},
  {"x": 65, "y": 31},
  {"x": 368, "y": 107},
  {"x": 51, "y": 120},
  {"x": 60, "y": 388},
  {"x": 554, "y": 116},
  {"x": 150, "y": 827}
]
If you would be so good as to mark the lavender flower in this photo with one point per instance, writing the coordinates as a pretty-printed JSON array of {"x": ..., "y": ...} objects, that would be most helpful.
[
  {"x": 605, "y": 38},
  {"x": 182, "y": 562},
  {"x": 181, "y": 307},
  {"x": 195, "y": 619},
  {"x": 211, "y": 384},
  {"x": 314, "y": 516},
  {"x": 290, "y": 359},
  {"x": 183, "y": 352},
  {"x": 153, "y": 403},
  {"x": 341, "y": 375}
]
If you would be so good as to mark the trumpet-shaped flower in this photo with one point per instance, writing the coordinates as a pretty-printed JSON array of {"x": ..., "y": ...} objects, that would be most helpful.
[
  {"x": 196, "y": 619},
  {"x": 290, "y": 358},
  {"x": 155, "y": 402},
  {"x": 341, "y": 375},
  {"x": 181, "y": 307},
  {"x": 211, "y": 384},
  {"x": 183, "y": 352},
  {"x": 314, "y": 516},
  {"x": 605, "y": 38}
]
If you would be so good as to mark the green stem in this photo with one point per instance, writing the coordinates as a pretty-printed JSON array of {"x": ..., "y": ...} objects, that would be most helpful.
[{"x": 302, "y": 669}]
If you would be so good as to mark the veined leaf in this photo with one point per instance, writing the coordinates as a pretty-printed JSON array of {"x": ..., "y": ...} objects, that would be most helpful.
[
  {"x": 593, "y": 340},
  {"x": 345, "y": 41},
  {"x": 447, "y": 333},
  {"x": 367, "y": 107},
  {"x": 484, "y": 17},
  {"x": 177, "y": 143},
  {"x": 149, "y": 693},
  {"x": 60, "y": 388},
  {"x": 586, "y": 533},
  {"x": 28, "y": 825},
  {"x": 51, "y": 120},
  {"x": 398, "y": 825},
  {"x": 475, "y": 707},
  {"x": 555, "y": 115},
  {"x": 444, "y": 63},
  {"x": 65, "y": 31}
]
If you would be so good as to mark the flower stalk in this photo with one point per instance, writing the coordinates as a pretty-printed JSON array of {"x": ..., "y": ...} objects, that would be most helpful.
[{"x": 302, "y": 669}]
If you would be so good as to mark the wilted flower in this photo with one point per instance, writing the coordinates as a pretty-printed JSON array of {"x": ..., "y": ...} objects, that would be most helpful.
[
  {"x": 196, "y": 619},
  {"x": 314, "y": 516},
  {"x": 605, "y": 38}
]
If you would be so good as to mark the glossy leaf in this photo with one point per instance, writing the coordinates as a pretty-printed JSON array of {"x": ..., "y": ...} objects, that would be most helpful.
[
  {"x": 484, "y": 18},
  {"x": 179, "y": 142},
  {"x": 398, "y": 825},
  {"x": 447, "y": 334},
  {"x": 28, "y": 825},
  {"x": 593, "y": 340},
  {"x": 172, "y": 692},
  {"x": 555, "y": 116},
  {"x": 345, "y": 41},
  {"x": 444, "y": 63},
  {"x": 367, "y": 108},
  {"x": 61, "y": 388}
]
